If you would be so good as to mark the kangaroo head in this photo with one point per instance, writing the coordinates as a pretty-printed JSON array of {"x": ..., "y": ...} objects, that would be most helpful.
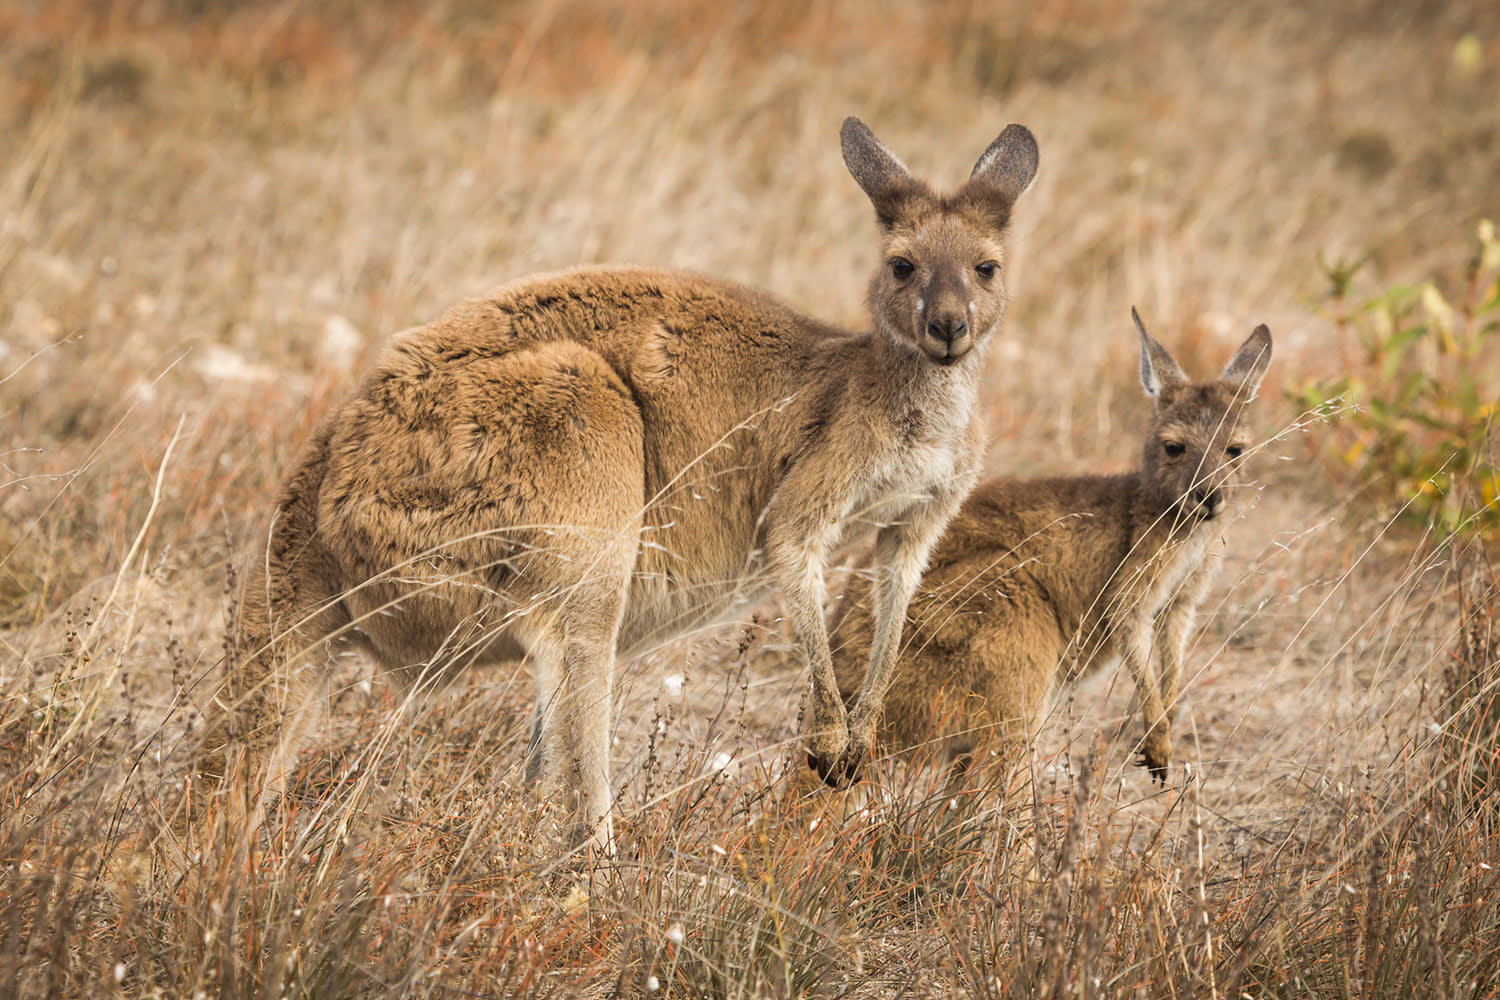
[
  {"x": 1197, "y": 444},
  {"x": 940, "y": 287}
]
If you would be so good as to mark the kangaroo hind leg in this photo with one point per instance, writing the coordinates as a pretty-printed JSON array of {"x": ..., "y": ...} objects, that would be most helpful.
[{"x": 568, "y": 591}]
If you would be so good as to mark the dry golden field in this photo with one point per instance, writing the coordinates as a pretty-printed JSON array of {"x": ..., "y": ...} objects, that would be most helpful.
[{"x": 213, "y": 213}]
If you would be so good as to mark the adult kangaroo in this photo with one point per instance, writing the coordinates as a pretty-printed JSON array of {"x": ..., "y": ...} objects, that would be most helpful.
[{"x": 580, "y": 465}]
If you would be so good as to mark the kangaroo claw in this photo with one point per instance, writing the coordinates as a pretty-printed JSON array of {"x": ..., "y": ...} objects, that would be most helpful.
[{"x": 839, "y": 772}]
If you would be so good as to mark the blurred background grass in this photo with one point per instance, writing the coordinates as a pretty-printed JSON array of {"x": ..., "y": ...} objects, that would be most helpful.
[{"x": 216, "y": 213}]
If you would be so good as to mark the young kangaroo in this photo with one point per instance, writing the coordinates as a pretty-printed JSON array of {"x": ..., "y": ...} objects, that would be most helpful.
[
  {"x": 1040, "y": 577},
  {"x": 581, "y": 465}
]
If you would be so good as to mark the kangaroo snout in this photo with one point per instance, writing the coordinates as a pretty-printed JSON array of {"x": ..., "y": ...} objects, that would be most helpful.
[
  {"x": 1209, "y": 500},
  {"x": 947, "y": 338}
]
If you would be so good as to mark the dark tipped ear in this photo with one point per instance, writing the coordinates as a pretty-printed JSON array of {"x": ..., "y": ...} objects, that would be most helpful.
[
  {"x": 1010, "y": 162},
  {"x": 884, "y": 178},
  {"x": 1159, "y": 372},
  {"x": 1249, "y": 364}
]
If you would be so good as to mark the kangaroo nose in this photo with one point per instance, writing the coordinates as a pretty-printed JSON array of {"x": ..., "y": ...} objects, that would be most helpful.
[
  {"x": 1209, "y": 499},
  {"x": 947, "y": 330}
]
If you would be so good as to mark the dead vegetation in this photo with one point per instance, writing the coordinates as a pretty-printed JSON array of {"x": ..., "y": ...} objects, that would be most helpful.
[{"x": 211, "y": 213}]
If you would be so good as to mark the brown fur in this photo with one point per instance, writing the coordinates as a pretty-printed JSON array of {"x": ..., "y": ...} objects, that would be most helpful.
[
  {"x": 587, "y": 463},
  {"x": 1037, "y": 578}
]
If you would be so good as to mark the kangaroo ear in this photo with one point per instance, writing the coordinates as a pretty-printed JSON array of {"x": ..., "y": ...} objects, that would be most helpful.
[
  {"x": 884, "y": 178},
  {"x": 1249, "y": 364},
  {"x": 1159, "y": 372},
  {"x": 1010, "y": 162}
]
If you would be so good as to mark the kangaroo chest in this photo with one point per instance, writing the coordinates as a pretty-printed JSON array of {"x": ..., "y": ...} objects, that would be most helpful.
[
  {"x": 929, "y": 446},
  {"x": 1176, "y": 576},
  {"x": 901, "y": 481}
]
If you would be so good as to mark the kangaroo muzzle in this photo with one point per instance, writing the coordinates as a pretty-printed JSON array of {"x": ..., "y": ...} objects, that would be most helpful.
[
  {"x": 1208, "y": 501},
  {"x": 946, "y": 335},
  {"x": 947, "y": 339}
]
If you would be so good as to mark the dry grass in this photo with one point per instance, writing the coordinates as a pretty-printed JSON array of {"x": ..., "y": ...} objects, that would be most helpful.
[{"x": 213, "y": 213}]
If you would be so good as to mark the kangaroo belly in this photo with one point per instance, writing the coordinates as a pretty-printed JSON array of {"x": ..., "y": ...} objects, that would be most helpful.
[{"x": 698, "y": 561}]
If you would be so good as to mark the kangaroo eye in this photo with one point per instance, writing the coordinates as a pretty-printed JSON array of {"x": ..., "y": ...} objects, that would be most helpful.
[
  {"x": 1174, "y": 449},
  {"x": 1234, "y": 451},
  {"x": 987, "y": 269},
  {"x": 902, "y": 268}
]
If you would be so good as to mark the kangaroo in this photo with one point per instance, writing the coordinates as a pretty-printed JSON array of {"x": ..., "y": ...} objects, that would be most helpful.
[
  {"x": 1036, "y": 578},
  {"x": 581, "y": 465}
]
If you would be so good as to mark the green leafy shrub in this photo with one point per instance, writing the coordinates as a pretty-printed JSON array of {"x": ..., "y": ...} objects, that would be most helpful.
[{"x": 1414, "y": 413}]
